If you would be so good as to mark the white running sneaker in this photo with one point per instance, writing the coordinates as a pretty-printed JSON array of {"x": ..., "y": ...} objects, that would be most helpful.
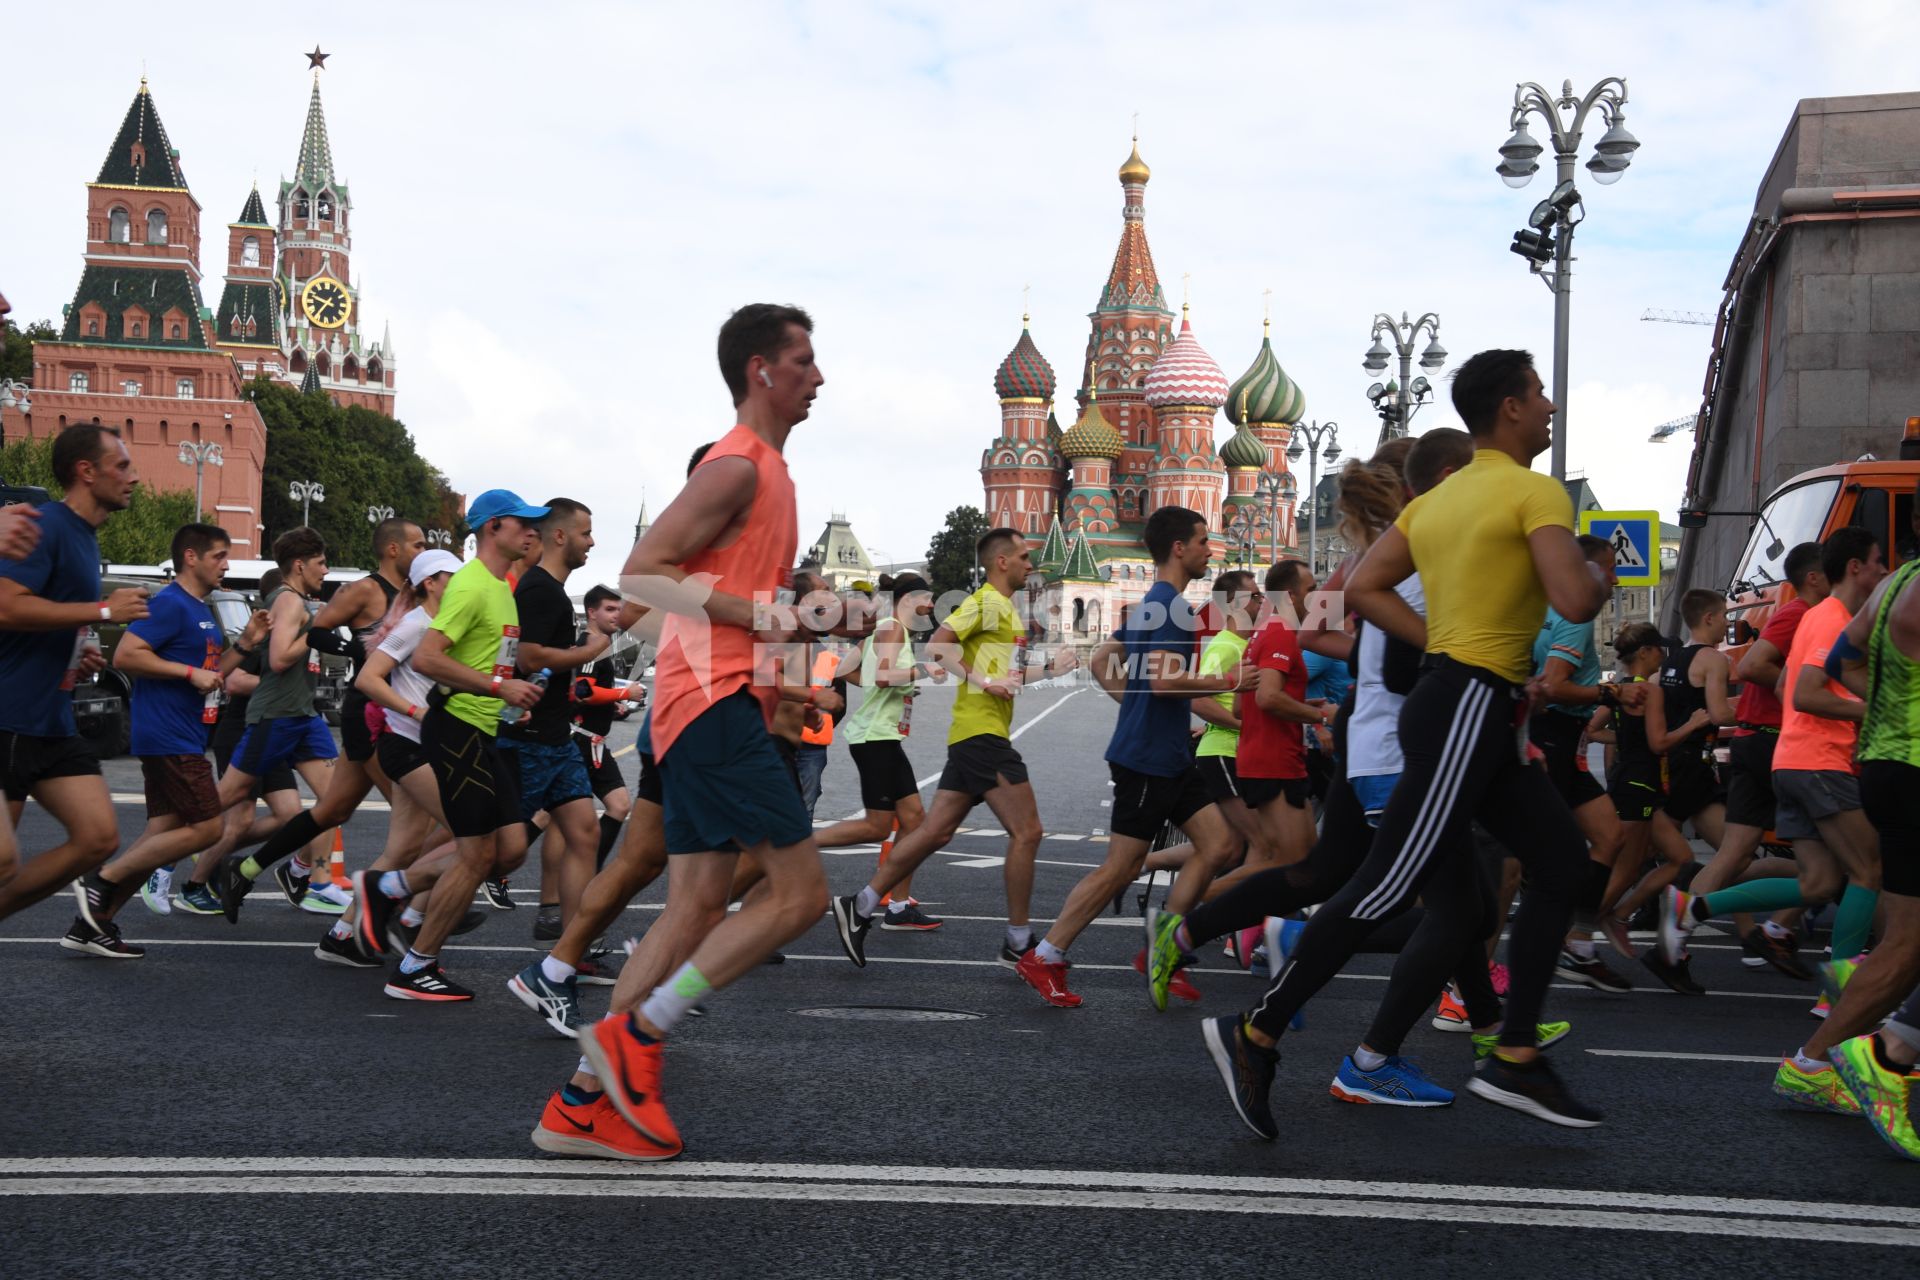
[
  {"x": 326, "y": 900},
  {"x": 157, "y": 892}
]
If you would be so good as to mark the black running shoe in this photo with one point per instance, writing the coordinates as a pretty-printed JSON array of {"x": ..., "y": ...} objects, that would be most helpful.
[
  {"x": 469, "y": 922},
  {"x": 427, "y": 984},
  {"x": 1247, "y": 1070},
  {"x": 1008, "y": 956},
  {"x": 229, "y": 885},
  {"x": 852, "y": 929},
  {"x": 1762, "y": 949},
  {"x": 84, "y": 938},
  {"x": 343, "y": 951},
  {"x": 91, "y": 893},
  {"x": 1531, "y": 1088},
  {"x": 909, "y": 919},
  {"x": 1675, "y": 976},
  {"x": 294, "y": 887},
  {"x": 400, "y": 934},
  {"x": 546, "y": 925},
  {"x": 376, "y": 912},
  {"x": 497, "y": 896},
  {"x": 1591, "y": 972}
]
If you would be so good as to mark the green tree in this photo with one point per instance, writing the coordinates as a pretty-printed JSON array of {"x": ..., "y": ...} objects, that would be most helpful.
[
  {"x": 142, "y": 534},
  {"x": 361, "y": 458},
  {"x": 16, "y": 348},
  {"x": 950, "y": 558}
]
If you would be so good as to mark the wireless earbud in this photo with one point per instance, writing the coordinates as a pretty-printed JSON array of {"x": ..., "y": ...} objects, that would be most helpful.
[{"x": 766, "y": 379}]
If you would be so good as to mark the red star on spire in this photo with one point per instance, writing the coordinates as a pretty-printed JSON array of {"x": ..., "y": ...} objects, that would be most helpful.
[{"x": 317, "y": 59}]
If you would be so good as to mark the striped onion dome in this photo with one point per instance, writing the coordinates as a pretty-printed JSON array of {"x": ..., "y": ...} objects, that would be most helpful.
[
  {"x": 1093, "y": 436},
  {"x": 1264, "y": 393},
  {"x": 1185, "y": 374},
  {"x": 1243, "y": 450},
  {"x": 1025, "y": 373}
]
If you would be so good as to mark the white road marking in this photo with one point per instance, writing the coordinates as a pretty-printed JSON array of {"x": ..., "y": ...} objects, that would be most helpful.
[
  {"x": 978, "y": 862},
  {"x": 1684, "y": 1057}
]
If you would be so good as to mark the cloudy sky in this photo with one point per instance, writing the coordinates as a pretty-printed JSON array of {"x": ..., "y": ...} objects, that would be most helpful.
[{"x": 556, "y": 206}]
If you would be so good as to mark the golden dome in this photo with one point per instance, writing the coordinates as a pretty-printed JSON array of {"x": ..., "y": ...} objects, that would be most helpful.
[{"x": 1135, "y": 169}]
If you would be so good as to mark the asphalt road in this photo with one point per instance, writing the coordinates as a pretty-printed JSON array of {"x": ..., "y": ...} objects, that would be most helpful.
[{"x": 229, "y": 1106}]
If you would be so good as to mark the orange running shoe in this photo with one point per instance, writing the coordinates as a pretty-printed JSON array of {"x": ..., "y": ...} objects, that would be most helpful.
[
  {"x": 1451, "y": 1015},
  {"x": 630, "y": 1072},
  {"x": 1050, "y": 980},
  {"x": 594, "y": 1129}
]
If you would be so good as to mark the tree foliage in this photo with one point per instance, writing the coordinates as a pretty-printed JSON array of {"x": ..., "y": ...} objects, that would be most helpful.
[
  {"x": 950, "y": 558},
  {"x": 142, "y": 534},
  {"x": 361, "y": 459},
  {"x": 16, "y": 348}
]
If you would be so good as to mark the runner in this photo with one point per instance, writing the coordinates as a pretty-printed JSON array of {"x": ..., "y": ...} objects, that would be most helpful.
[
  {"x": 282, "y": 725},
  {"x": 1237, "y": 605},
  {"x": 177, "y": 657},
  {"x": 1686, "y": 707},
  {"x": 593, "y": 721},
  {"x": 1493, "y": 547},
  {"x": 976, "y": 644},
  {"x": 49, "y": 604},
  {"x": 725, "y": 790},
  {"x": 19, "y": 532}
]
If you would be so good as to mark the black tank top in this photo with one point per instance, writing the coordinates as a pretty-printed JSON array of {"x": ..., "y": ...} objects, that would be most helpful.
[
  {"x": 1632, "y": 753},
  {"x": 1682, "y": 699},
  {"x": 357, "y": 646}
]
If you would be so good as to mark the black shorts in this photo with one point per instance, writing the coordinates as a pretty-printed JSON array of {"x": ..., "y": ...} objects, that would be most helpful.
[
  {"x": 1221, "y": 777},
  {"x": 479, "y": 788},
  {"x": 648, "y": 788},
  {"x": 605, "y": 777},
  {"x": 399, "y": 755},
  {"x": 1692, "y": 782},
  {"x": 180, "y": 787},
  {"x": 26, "y": 759},
  {"x": 1890, "y": 793},
  {"x": 978, "y": 764},
  {"x": 1557, "y": 734},
  {"x": 356, "y": 740},
  {"x": 1261, "y": 792},
  {"x": 886, "y": 775},
  {"x": 1750, "y": 779},
  {"x": 1143, "y": 803},
  {"x": 277, "y": 779},
  {"x": 790, "y": 757},
  {"x": 1636, "y": 798}
]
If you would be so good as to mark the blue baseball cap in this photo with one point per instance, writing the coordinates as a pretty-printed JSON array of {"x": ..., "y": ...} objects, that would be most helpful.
[{"x": 495, "y": 503}]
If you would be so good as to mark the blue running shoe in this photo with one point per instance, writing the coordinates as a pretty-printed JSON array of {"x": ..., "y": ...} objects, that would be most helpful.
[
  {"x": 1281, "y": 936},
  {"x": 1398, "y": 1083}
]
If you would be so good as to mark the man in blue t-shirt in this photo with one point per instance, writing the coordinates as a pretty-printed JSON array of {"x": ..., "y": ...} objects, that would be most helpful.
[
  {"x": 179, "y": 658},
  {"x": 1151, "y": 753},
  {"x": 49, "y": 604}
]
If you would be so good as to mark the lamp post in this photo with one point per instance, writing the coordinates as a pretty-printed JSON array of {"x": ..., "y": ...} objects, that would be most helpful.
[
  {"x": 200, "y": 454},
  {"x": 15, "y": 395},
  {"x": 1612, "y": 154},
  {"x": 439, "y": 538},
  {"x": 306, "y": 493},
  {"x": 1317, "y": 434},
  {"x": 1404, "y": 400},
  {"x": 376, "y": 514}
]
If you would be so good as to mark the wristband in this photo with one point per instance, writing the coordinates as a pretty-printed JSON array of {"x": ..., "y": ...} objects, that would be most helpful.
[
  {"x": 413, "y": 711},
  {"x": 494, "y": 688},
  {"x": 242, "y": 650},
  {"x": 106, "y": 613}
]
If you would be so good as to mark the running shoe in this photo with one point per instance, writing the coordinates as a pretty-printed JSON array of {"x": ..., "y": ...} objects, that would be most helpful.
[
  {"x": 497, "y": 896},
  {"x": 546, "y": 925},
  {"x": 157, "y": 892},
  {"x": 427, "y": 984},
  {"x": 198, "y": 900},
  {"x": 92, "y": 893},
  {"x": 1834, "y": 976},
  {"x": 1615, "y": 930},
  {"x": 909, "y": 919},
  {"x": 1883, "y": 1093},
  {"x": 1531, "y": 1088},
  {"x": 1010, "y": 957},
  {"x": 1821, "y": 1008},
  {"x": 1257, "y": 966},
  {"x": 852, "y": 928},
  {"x": 629, "y": 1068},
  {"x": 1451, "y": 1015},
  {"x": 326, "y": 900},
  {"x": 377, "y": 911},
  {"x": 107, "y": 942},
  {"x": 1178, "y": 982},
  {"x": 557, "y": 1002},
  {"x": 1591, "y": 971},
  {"x": 343, "y": 951},
  {"x": 1762, "y": 949},
  {"x": 1246, "y": 1069},
  {"x": 294, "y": 887},
  {"x": 1676, "y": 922},
  {"x": 595, "y": 970},
  {"x": 1544, "y": 1034},
  {"x": 1245, "y": 942},
  {"x": 1497, "y": 974},
  {"x": 400, "y": 934},
  {"x": 596, "y": 1129},
  {"x": 1821, "y": 1090},
  {"x": 1281, "y": 935},
  {"x": 1677, "y": 976},
  {"x": 229, "y": 886},
  {"x": 1050, "y": 980},
  {"x": 1161, "y": 960},
  {"x": 1398, "y": 1082}
]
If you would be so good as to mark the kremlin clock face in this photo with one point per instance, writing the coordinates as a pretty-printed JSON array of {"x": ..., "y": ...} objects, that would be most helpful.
[{"x": 325, "y": 302}]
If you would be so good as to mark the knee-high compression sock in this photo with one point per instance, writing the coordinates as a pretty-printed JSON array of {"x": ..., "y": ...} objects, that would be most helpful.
[
  {"x": 609, "y": 833},
  {"x": 1774, "y": 893},
  {"x": 1853, "y": 921},
  {"x": 299, "y": 832}
]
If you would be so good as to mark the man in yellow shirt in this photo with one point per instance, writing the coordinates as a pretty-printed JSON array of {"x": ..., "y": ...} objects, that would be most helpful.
[{"x": 1494, "y": 546}]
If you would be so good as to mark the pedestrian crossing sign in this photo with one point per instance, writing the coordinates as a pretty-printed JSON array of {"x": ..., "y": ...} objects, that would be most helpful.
[{"x": 1634, "y": 536}]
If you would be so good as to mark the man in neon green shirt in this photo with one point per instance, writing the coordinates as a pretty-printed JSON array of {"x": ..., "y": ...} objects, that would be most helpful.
[{"x": 1236, "y": 596}]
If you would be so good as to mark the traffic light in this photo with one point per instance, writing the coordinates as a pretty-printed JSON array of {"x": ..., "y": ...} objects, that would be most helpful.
[{"x": 1535, "y": 246}]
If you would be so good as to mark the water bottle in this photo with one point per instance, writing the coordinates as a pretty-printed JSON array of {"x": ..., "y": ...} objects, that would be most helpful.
[
  {"x": 905, "y": 725},
  {"x": 510, "y": 714}
]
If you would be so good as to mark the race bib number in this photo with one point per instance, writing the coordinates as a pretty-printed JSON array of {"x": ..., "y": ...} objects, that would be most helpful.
[{"x": 503, "y": 662}]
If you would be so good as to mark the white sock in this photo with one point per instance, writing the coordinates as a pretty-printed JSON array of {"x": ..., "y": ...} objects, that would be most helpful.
[
  {"x": 1019, "y": 936},
  {"x": 413, "y": 918},
  {"x": 341, "y": 930},
  {"x": 1050, "y": 954},
  {"x": 863, "y": 906},
  {"x": 555, "y": 971},
  {"x": 413, "y": 962},
  {"x": 393, "y": 884},
  {"x": 671, "y": 1000},
  {"x": 299, "y": 870},
  {"x": 1367, "y": 1060},
  {"x": 897, "y": 908},
  {"x": 1778, "y": 932},
  {"x": 586, "y": 1069},
  {"x": 1581, "y": 946},
  {"x": 1805, "y": 1063}
]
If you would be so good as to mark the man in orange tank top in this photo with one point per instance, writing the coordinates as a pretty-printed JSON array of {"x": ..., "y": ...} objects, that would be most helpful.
[{"x": 712, "y": 563}]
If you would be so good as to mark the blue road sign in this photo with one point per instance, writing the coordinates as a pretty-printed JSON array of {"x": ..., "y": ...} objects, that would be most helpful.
[{"x": 1635, "y": 538}]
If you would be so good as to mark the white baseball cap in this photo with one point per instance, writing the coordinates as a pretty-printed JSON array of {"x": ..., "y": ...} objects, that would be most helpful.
[{"x": 428, "y": 563}]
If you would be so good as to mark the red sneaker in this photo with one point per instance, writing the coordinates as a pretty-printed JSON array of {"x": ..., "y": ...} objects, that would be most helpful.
[
  {"x": 1050, "y": 980},
  {"x": 1451, "y": 1015},
  {"x": 1497, "y": 974},
  {"x": 1249, "y": 938},
  {"x": 595, "y": 1129},
  {"x": 630, "y": 1073},
  {"x": 1178, "y": 985}
]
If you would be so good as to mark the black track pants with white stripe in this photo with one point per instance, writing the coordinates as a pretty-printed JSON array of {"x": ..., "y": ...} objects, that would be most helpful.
[{"x": 1457, "y": 732}]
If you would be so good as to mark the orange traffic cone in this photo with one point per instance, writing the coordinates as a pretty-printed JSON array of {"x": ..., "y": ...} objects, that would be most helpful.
[{"x": 337, "y": 863}]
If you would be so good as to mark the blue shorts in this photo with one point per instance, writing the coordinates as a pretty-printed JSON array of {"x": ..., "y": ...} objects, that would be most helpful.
[
  {"x": 1372, "y": 793},
  {"x": 274, "y": 744},
  {"x": 725, "y": 786},
  {"x": 550, "y": 775}
]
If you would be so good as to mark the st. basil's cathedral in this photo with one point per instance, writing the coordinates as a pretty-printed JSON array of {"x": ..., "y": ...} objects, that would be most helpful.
[{"x": 1144, "y": 439}]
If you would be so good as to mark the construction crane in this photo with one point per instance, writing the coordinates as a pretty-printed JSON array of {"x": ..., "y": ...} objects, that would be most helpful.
[
  {"x": 1676, "y": 317},
  {"x": 1665, "y": 429}
]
